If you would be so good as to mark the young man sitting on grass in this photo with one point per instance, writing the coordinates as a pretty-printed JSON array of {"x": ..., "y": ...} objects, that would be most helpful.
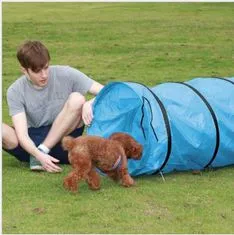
[{"x": 45, "y": 104}]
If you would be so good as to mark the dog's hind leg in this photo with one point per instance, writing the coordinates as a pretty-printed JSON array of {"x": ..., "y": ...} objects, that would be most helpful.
[
  {"x": 93, "y": 180},
  {"x": 81, "y": 167},
  {"x": 71, "y": 181}
]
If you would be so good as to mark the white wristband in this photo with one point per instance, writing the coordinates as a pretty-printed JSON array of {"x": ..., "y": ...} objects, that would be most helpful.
[{"x": 43, "y": 148}]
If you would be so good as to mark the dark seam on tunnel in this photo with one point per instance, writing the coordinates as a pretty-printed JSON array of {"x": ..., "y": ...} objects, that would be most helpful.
[
  {"x": 167, "y": 125},
  {"x": 214, "y": 120},
  {"x": 142, "y": 117},
  {"x": 151, "y": 118},
  {"x": 224, "y": 79}
]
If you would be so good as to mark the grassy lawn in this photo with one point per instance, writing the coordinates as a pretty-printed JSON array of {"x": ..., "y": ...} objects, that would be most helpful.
[{"x": 144, "y": 42}]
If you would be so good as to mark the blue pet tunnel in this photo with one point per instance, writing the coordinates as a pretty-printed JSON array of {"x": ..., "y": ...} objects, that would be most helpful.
[{"x": 181, "y": 125}]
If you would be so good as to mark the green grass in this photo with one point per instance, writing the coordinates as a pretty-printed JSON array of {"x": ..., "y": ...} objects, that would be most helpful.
[{"x": 143, "y": 42}]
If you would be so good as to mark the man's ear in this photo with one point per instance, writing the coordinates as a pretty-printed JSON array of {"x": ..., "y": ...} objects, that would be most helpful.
[{"x": 23, "y": 70}]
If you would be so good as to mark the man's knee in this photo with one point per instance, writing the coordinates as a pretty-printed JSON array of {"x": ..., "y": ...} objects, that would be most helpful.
[
  {"x": 75, "y": 102},
  {"x": 9, "y": 138}
]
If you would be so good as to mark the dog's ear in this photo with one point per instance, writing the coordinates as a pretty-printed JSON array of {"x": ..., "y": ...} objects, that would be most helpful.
[
  {"x": 68, "y": 142},
  {"x": 137, "y": 151}
]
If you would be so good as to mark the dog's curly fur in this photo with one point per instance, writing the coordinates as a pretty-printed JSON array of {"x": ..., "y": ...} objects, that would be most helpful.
[{"x": 86, "y": 153}]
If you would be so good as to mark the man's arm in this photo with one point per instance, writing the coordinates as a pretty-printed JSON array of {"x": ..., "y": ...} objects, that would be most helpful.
[
  {"x": 87, "y": 112},
  {"x": 95, "y": 88},
  {"x": 20, "y": 124}
]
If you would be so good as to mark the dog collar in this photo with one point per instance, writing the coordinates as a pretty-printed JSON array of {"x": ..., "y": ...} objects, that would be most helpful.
[{"x": 116, "y": 165}]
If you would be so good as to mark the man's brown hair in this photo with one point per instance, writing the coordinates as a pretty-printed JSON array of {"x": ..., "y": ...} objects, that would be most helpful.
[{"x": 33, "y": 55}]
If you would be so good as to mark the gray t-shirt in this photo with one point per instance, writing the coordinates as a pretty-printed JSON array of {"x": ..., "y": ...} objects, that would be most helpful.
[{"x": 42, "y": 106}]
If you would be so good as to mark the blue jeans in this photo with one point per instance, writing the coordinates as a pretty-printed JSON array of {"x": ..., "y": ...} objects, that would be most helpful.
[{"x": 38, "y": 135}]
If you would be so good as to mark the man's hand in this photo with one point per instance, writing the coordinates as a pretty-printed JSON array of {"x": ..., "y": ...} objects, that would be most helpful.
[
  {"x": 48, "y": 163},
  {"x": 87, "y": 112}
]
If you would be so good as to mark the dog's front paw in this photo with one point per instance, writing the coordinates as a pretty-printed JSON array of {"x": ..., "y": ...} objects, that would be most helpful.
[
  {"x": 69, "y": 184},
  {"x": 128, "y": 181}
]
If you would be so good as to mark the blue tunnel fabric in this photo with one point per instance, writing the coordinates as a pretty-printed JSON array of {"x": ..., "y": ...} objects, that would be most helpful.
[{"x": 181, "y": 125}]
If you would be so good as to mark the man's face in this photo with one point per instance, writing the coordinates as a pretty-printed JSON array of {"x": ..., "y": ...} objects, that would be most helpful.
[{"x": 39, "y": 78}]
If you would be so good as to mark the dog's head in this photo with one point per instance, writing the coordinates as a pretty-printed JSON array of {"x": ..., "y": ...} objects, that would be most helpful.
[{"x": 131, "y": 147}]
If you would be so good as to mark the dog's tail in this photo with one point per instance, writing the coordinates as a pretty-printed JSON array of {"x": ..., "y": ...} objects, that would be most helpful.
[{"x": 68, "y": 142}]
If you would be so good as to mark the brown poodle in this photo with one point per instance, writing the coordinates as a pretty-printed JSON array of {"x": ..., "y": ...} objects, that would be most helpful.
[{"x": 89, "y": 153}]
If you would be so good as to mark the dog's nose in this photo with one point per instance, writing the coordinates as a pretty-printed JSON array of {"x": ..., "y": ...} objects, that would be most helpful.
[{"x": 138, "y": 156}]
